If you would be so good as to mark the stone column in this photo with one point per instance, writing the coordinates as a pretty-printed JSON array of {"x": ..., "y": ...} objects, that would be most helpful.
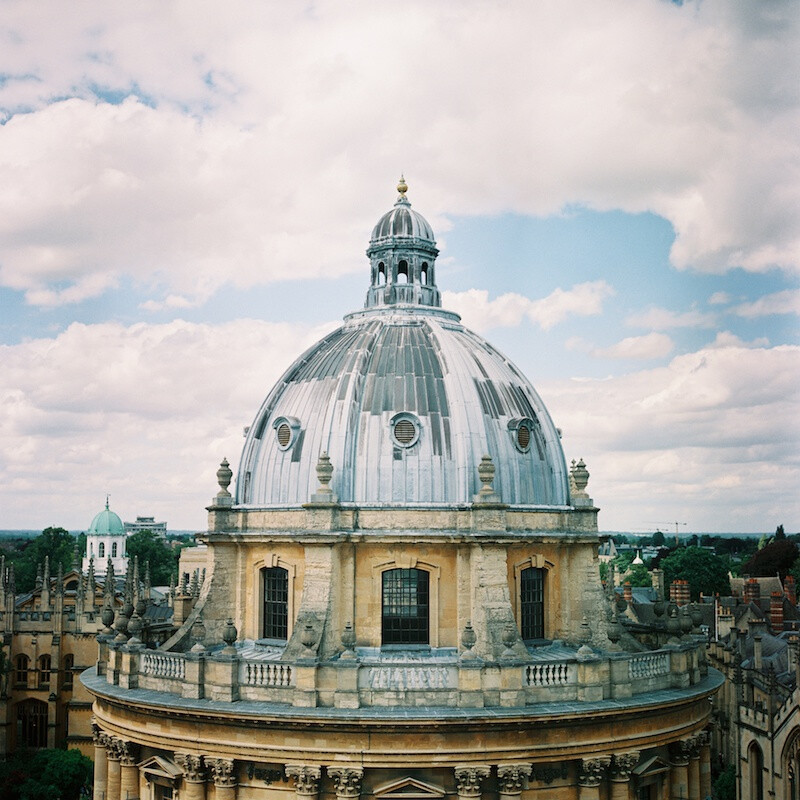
[
  {"x": 512, "y": 779},
  {"x": 347, "y": 781},
  {"x": 129, "y": 772},
  {"x": 694, "y": 769},
  {"x": 100, "y": 763},
  {"x": 224, "y": 774},
  {"x": 621, "y": 769},
  {"x": 306, "y": 780},
  {"x": 679, "y": 770},
  {"x": 194, "y": 776},
  {"x": 590, "y": 776},
  {"x": 113, "y": 769},
  {"x": 469, "y": 778},
  {"x": 705, "y": 765}
]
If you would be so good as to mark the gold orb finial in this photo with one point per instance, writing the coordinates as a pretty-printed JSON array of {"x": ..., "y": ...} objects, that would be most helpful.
[{"x": 402, "y": 187}]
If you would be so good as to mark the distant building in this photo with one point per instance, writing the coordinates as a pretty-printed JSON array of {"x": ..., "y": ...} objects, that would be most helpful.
[
  {"x": 105, "y": 540},
  {"x": 146, "y": 524}
]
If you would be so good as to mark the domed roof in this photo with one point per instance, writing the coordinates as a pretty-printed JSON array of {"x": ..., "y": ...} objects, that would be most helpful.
[
  {"x": 107, "y": 523},
  {"x": 406, "y": 401},
  {"x": 402, "y": 221}
]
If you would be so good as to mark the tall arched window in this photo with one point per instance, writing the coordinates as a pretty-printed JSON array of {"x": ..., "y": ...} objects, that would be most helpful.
[
  {"x": 755, "y": 760},
  {"x": 44, "y": 672},
  {"x": 69, "y": 663},
  {"x": 21, "y": 663},
  {"x": 275, "y": 582},
  {"x": 531, "y": 603},
  {"x": 423, "y": 273},
  {"x": 405, "y": 607},
  {"x": 31, "y": 724},
  {"x": 113, "y": 550},
  {"x": 381, "y": 273},
  {"x": 101, "y": 550},
  {"x": 402, "y": 272}
]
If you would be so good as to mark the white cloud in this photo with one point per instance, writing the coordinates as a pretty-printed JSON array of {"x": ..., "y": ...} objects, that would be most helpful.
[
  {"x": 509, "y": 310},
  {"x": 709, "y": 439},
  {"x": 652, "y": 345},
  {"x": 728, "y": 339},
  {"x": 266, "y": 136},
  {"x": 661, "y": 319},
  {"x": 785, "y": 302},
  {"x": 719, "y": 299}
]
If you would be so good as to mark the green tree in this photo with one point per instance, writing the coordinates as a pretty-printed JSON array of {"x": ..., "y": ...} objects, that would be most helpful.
[
  {"x": 638, "y": 576},
  {"x": 45, "y": 775},
  {"x": 150, "y": 548},
  {"x": 58, "y": 544},
  {"x": 658, "y": 539},
  {"x": 705, "y": 571},
  {"x": 780, "y": 533},
  {"x": 725, "y": 784},
  {"x": 776, "y": 558}
]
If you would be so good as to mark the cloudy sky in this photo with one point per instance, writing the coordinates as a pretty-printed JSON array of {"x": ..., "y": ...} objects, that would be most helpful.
[{"x": 187, "y": 190}]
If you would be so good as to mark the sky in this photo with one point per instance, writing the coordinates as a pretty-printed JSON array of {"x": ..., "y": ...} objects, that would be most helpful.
[{"x": 187, "y": 190}]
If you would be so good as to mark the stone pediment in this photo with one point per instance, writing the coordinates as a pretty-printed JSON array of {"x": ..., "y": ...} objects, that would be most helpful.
[
  {"x": 652, "y": 766},
  {"x": 408, "y": 789},
  {"x": 158, "y": 767}
]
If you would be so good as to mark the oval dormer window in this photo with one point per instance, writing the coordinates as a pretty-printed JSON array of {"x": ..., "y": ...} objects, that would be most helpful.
[
  {"x": 286, "y": 430},
  {"x": 522, "y": 432},
  {"x": 405, "y": 429}
]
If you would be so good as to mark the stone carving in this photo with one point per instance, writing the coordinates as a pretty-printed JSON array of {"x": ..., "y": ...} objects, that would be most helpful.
[
  {"x": 266, "y": 774},
  {"x": 469, "y": 778},
  {"x": 623, "y": 765},
  {"x": 593, "y": 770},
  {"x": 222, "y": 771},
  {"x": 127, "y": 753},
  {"x": 410, "y": 678},
  {"x": 347, "y": 780},
  {"x": 192, "y": 766},
  {"x": 547, "y": 774},
  {"x": 513, "y": 777},
  {"x": 306, "y": 778},
  {"x": 680, "y": 752}
]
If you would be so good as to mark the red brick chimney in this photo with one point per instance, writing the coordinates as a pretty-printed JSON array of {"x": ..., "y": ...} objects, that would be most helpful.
[
  {"x": 627, "y": 592},
  {"x": 790, "y": 589},
  {"x": 673, "y": 592},
  {"x": 776, "y": 612},
  {"x": 752, "y": 590},
  {"x": 685, "y": 593}
]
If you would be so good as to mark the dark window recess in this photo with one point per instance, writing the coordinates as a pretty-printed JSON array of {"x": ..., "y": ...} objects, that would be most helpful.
[
  {"x": 532, "y": 603},
  {"x": 405, "y": 607},
  {"x": 276, "y": 603},
  {"x": 31, "y": 724}
]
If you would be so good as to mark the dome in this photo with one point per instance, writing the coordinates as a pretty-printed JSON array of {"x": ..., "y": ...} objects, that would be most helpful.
[
  {"x": 406, "y": 401},
  {"x": 107, "y": 523},
  {"x": 402, "y": 221}
]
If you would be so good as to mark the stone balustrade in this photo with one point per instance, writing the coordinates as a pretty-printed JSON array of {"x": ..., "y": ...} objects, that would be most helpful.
[{"x": 376, "y": 678}]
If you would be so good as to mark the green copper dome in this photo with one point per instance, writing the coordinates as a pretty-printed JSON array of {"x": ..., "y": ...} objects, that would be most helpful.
[{"x": 107, "y": 523}]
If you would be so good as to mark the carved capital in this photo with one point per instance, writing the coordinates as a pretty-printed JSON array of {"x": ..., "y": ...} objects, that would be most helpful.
[
  {"x": 680, "y": 752},
  {"x": 622, "y": 766},
  {"x": 593, "y": 770},
  {"x": 347, "y": 780},
  {"x": 192, "y": 766},
  {"x": 306, "y": 778},
  {"x": 512, "y": 778},
  {"x": 222, "y": 771},
  {"x": 97, "y": 735},
  {"x": 112, "y": 745},
  {"x": 127, "y": 753},
  {"x": 469, "y": 778}
]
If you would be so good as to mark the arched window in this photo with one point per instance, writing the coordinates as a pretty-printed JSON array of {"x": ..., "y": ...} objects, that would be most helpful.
[
  {"x": 275, "y": 583},
  {"x": 424, "y": 273},
  {"x": 381, "y": 273},
  {"x": 755, "y": 760},
  {"x": 44, "y": 671},
  {"x": 402, "y": 272},
  {"x": 405, "y": 607},
  {"x": 69, "y": 663},
  {"x": 531, "y": 603},
  {"x": 21, "y": 663},
  {"x": 31, "y": 724},
  {"x": 101, "y": 550},
  {"x": 114, "y": 550}
]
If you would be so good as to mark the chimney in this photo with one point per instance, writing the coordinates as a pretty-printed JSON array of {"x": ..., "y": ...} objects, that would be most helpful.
[
  {"x": 673, "y": 592},
  {"x": 657, "y": 577},
  {"x": 752, "y": 590},
  {"x": 628, "y": 592},
  {"x": 758, "y": 652},
  {"x": 776, "y": 612},
  {"x": 685, "y": 596},
  {"x": 790, "y": 589}
]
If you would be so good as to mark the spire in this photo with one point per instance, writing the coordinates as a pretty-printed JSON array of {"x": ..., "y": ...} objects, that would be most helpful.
[{"x": 60, "y": 579}]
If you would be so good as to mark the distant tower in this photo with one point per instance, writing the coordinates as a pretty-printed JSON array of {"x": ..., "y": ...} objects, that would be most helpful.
[{"x": 106, "y": 539}]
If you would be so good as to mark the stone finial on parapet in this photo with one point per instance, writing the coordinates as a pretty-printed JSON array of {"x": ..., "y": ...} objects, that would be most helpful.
[
  {"x": 578, "y": 481},
  {"x": 486, "y": 472},
  {"x": 324, "y": 494}
]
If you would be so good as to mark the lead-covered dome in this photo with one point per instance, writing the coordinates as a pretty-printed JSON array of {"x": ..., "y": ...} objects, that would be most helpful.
[
  {"x": 406, "y": 401},
  {"x": 402, "y": 221},
  {"x": 107, "y": 523}
]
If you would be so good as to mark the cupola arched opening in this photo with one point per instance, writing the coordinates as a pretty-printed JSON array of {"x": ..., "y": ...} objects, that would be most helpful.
[{"x": 402, "y": 271}]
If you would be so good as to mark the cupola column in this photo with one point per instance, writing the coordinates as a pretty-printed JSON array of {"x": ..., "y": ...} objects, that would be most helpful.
[
  {"x": 100, "y": 741},
  {"x": 679, "y": 769},
  {"x": 347, "y": 781},
  {"x": 694, "y": 769},
  {"x": 621, "y": 769},
  {"x": 469, "y": 780},
  {"x": 113, "y": 769},
  {"x": 129, "y": 772},
  {"x": 306, "y": 780},
  {"x": 223, "y": 771},
  {"x": 194, "y": 776},
  {"x": 512, "y": 779},
  {"x": 705, "y": 765},
  {"x": 591, "y": 774}
]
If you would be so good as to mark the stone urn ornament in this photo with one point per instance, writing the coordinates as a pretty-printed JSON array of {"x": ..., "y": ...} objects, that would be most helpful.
[
  {"x": 348, "y": 642},
  {"x": 468, "y": 640}
]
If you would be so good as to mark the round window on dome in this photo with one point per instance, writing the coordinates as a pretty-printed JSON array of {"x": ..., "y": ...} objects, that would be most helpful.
[
  {"x": 523, "y": 437},
  {"x": 284, "y": 435},
  {"x": 522, "y": 432},
  {"x": 405, "y": 429},
  {"x": 286, "y": 430}
]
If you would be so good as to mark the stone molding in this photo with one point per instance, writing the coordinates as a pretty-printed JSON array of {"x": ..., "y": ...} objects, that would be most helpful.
[
  {"x": 512, "y": 778},
  {"x": 192, "y": 766},
  {"x": 622, "y": 766},
  {"x": 347, "y": 780},
  {"x": 469, "y": 778},
  {"x": 222, "y": 771},
  {"x": 593, "y": 770},
  {"x": 306, "y": 778}
]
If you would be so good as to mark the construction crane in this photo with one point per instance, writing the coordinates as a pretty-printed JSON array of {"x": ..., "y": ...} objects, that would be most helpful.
[{"x": 676, "y": 524}]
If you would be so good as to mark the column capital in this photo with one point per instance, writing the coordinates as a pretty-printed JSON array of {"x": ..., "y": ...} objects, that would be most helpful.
[
  {"x": 192, "y": 766},
  {"x": 113, "y": 749},
  {"x": 593, "y": 770},
  {"x": 623, "y": 764},
  {"x": 127, "y": 753},
  {"x": 306, "y": 778},
  {"x": 347, "y": 780},
  {"x": 680, "y": 752},
  {"x": 222, "y": 771},
  {"x": 469, "y": 778},
  {"x": 513, "y": 777}
]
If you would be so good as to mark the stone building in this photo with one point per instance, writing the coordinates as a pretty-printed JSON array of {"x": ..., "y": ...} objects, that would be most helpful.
[
  {"x": 402, "y": 594},
  {"x": 105, "y": 541}
]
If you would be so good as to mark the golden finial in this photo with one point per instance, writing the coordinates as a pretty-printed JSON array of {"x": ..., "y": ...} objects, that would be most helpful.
[{"x": 402, "y": 187}]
